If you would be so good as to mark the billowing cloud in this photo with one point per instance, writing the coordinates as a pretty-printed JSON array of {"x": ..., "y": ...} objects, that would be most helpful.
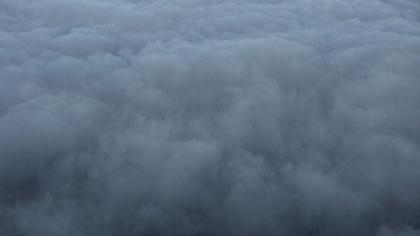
[{"x": 209, "y": 117}]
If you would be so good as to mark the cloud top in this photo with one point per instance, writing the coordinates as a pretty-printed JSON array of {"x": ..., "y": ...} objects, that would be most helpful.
[{"x": 209, "y": 117}]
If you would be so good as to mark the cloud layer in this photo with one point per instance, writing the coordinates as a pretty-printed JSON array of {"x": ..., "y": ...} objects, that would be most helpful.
[{"x": 209, "y": 117}]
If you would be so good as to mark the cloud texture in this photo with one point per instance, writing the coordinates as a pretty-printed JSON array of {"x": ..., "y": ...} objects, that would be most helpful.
[{"x": 210, "y": 117}]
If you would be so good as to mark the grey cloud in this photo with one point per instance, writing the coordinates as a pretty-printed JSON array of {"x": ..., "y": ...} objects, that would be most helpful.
[{"x": 209, "y": 117}]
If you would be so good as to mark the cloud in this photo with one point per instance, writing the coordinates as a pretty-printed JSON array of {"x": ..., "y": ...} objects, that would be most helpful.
[{"x": 209, "y": 117}]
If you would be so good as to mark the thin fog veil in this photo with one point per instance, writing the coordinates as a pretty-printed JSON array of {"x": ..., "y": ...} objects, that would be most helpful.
[{"x": 209, "y": 117}]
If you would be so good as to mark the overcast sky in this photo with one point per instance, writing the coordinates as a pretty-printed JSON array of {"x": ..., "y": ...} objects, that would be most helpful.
[{"x": 209, "y": 117}]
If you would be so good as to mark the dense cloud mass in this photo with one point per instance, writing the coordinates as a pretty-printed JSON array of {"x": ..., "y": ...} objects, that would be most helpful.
[{"x": 210, "y": 117}]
